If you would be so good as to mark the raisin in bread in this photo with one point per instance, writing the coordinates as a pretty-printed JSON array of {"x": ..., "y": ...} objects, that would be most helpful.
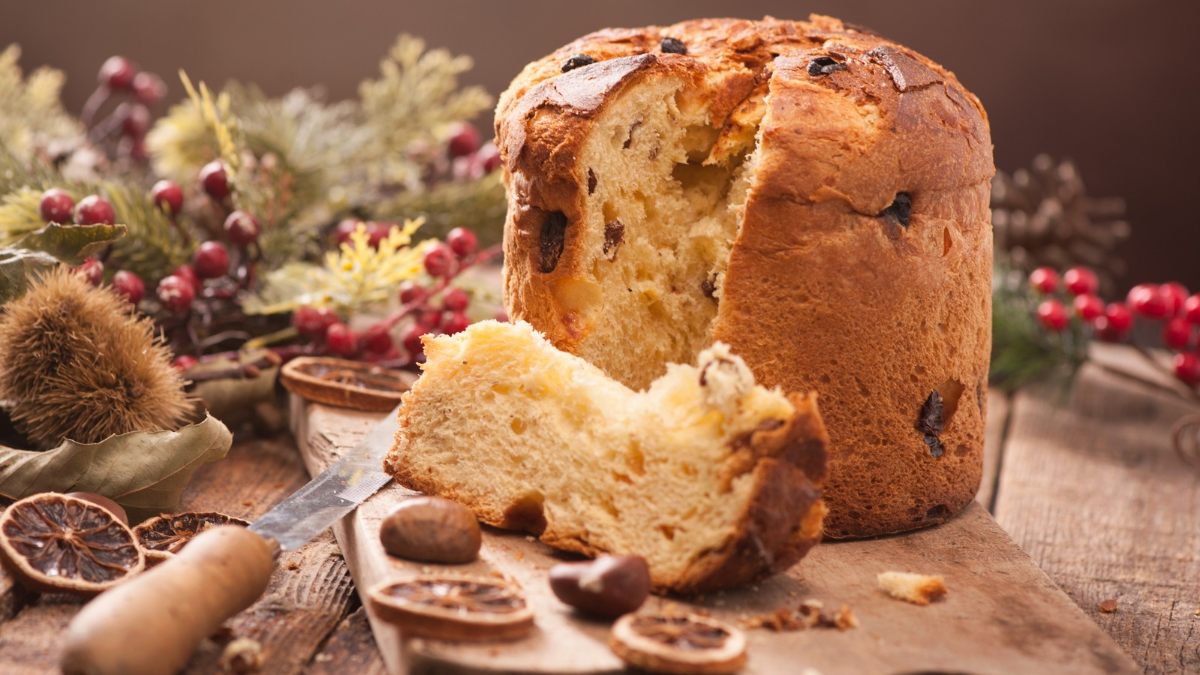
[
  {"x": 809, "y": 193},
  {"x": 712, "y": 479}
]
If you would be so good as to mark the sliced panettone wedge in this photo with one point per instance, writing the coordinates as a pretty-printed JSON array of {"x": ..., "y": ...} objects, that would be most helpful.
[{"x": 712, "y": 479}]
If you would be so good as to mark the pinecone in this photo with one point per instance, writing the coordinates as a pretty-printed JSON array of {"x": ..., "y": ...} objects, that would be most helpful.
[{"x": 1043, "y": 216}]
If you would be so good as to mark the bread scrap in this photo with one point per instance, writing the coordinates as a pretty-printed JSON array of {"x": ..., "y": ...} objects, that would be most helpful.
[
  {"x": 714, "y": 480},
  {"x": 811, "y": 194},
  {"x": 918, "y": 589}
]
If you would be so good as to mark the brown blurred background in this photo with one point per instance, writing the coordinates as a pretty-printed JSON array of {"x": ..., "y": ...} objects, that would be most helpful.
[{"x": 1113, "y": 84}]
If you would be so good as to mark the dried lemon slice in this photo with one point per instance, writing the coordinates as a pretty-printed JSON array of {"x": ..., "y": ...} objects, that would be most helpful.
[
  {"x": 453, "y": 608},
  {"x": 683, "y": 644},
  {"x": 55, "y": 543},
  {"x": 346, "y": 384},
  {"x": 163, "y": 536}
]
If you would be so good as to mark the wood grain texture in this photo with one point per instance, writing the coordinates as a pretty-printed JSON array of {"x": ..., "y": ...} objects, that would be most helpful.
[
  {"x": 351, "y": 649},
  {"x": 998, "y": 408},
  {"x": 1003, "y": 615},
  {"x": 1092, "y": 489},
  {"x": 309, "y": 594}
]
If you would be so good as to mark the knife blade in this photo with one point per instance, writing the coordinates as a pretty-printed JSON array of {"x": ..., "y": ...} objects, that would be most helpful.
[{"x": 152, "y": 624}]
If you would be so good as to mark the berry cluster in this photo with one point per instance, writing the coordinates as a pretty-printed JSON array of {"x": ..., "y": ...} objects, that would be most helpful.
[
  {"x": 1167, "y": 303},
  {"x": 130, "y": 120},
  {"x": 437, "y": 307}
]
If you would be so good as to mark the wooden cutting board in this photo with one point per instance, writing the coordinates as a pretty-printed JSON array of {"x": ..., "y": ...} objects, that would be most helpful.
[{"x": 1002, "y": 615}]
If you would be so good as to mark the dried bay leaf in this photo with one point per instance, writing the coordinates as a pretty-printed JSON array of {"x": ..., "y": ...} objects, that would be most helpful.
[
  {"x": 143, "y": 471},
  {"x": 71, "y": 243}
]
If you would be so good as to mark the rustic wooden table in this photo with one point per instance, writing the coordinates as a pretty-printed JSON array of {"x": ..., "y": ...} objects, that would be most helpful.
[{"x": 1088, "y": 484}]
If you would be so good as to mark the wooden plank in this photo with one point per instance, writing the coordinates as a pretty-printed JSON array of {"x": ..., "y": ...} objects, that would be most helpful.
[
  {"x": 1003, "y": 614},
  {"x": 1093, "y": 490},
  {"x": 351, "y": 649},
  {"x": 993, "y": 445},
  {"x": 308, "y": 596}
]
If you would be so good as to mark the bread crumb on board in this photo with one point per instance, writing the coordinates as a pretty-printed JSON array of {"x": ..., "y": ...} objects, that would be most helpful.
[
  {"x": 918, "y": 589},
  {"x": 1108, "y": 606}
]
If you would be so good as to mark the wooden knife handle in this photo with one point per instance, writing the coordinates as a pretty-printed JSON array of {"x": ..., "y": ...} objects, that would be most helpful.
[{"x": 152, "y": 624}]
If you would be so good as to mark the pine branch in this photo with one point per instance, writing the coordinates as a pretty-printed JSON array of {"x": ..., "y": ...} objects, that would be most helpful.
[
  {"x": 478, "y": 204},
  {"x": 31, "y": 113}
]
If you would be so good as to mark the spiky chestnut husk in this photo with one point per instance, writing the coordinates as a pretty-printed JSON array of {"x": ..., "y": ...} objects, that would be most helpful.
[{"x": 81, "y": 364}]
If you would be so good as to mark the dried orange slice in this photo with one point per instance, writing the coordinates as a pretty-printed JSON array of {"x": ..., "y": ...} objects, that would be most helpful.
[
  {"x": 682, "y": 644},
  {"x": 163, "y": 536},
  {"x": 346, "y": 384},
  {"x": 453, "y": 608},
  {"x": 55, "y": 543}
]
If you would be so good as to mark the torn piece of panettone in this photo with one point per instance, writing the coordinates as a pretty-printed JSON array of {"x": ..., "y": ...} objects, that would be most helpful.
[{"x": 918, "y": 589}]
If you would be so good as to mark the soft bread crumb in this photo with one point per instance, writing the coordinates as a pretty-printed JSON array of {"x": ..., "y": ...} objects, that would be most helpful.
[{"x": 918, "y": 589}]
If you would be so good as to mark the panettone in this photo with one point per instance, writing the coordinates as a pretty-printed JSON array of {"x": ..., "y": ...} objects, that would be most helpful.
[
  {"x": 809, "y": 193},
  {"x": 710, "y": 478}
]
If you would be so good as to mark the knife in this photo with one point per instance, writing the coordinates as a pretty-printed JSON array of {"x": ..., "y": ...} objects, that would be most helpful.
[{"x": 152, "y": 624}]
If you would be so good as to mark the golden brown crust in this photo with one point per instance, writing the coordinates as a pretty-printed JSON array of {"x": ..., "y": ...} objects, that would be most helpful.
[{"x": 824, "y": 290}]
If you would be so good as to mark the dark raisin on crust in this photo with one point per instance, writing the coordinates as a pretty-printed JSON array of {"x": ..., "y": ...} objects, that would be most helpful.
[
  {"x": 933, "y": 415},
  {"x": 577, "y": 61},
  {"x": 900, "y": 210},
  {"x": 672, "y": 46},
  {"x": 591, "y": 181},
  {"x": 614, "y": 234},
  {"x": 553, "y": 236},
  {"x": 938, "y": 512},
  {"x": 935, "y": 445},
  {"x": 823, "y": 65}
]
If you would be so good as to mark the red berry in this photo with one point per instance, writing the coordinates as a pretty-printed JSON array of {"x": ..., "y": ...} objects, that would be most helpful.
[
  {"x": 1080, "y": 280},
  {"x": 1052, "y": 315},
  {"x": 455, "y": 300},
  {"x": 462, "y": 241},
  {"x": 412, "y": 340},
  {"x": 94, "y": 210},
  {"x": 1175, "y": 294},
  {"x": 502, "y": 316},
  {"x": 377, "y": 232},
  {"x": 1118, "y": 317},
  {"x": 211, "y": 260},
  {"x": 215, "y": 179},
  {"x": 1191, "y": 309},
  {"x": 188, "y": 274},
  {"x": 242, "y": 228},
  {"x": 488, "y": 157},
  {"x": 168, "y": 195},
  {"x": 1088, "y": 306},
  {"x": 129, "y": 285},
  {"x": 135, "y": 119},
  {"x": 176, "y": 293},
  {"x": 149, "y": 88},
  {"x": 346, "y": 228},
  {"x": 1045, "y": 279},
  {"x": 313, "y": 321},
  {"x": 56, "y": 206},
  {"x": 1177, "y": 333},
  {"x": 1105, "y": 331},
  {"x": 1149, "y": 301},
  {"x": 92, "y": 270},
  {"x": 463, "y": 139},
  {"x": 378, "y": 340},
  {"x": 439, "y": 260},
  {"x": 1187, "y": 368},
  {"x": 117, "y": 72},
  {"x": 410, "y": 291},
  {"x": 184, "y": 363},
  {"x": 430, "y": 320},
  {"x": 340, "y": 339},
  {"x": 457, "y": 323}
]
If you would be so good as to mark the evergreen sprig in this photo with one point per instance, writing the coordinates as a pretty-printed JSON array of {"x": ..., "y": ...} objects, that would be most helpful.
[
  {"x": 31, "y": 111},
  {"x": 1023, "y": 351}
]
